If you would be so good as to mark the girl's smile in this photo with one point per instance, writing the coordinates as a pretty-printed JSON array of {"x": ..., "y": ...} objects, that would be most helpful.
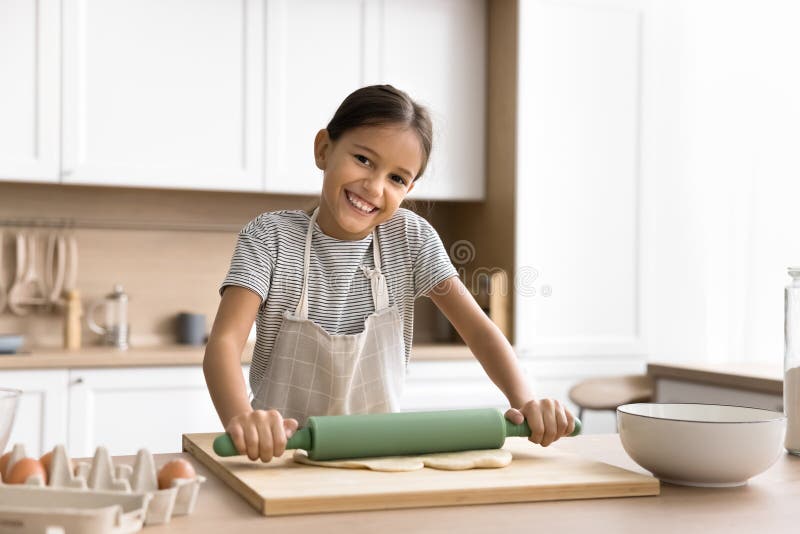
[
  {"x": 365, "y": 177},
  {"x": 359, "y": 204}
]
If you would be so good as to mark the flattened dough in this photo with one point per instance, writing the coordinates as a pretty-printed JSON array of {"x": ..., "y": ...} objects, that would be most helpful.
[{"x": 451, "y": 461}]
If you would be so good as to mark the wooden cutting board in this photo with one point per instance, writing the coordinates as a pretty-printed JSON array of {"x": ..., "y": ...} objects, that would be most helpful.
[{"x": 283, "y": 487}]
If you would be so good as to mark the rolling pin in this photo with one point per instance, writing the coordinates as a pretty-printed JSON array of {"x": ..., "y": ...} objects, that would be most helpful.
[{"x": 338, "y": 437}]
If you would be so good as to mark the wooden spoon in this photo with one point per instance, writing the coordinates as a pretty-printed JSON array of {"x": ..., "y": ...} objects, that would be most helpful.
[
  {"x": 38, "y": 294},
  {"x": 31, "y": 291},
  {"x": 49, "y": 258},
  {"x": 54, "y": 267},
  {"x": 14, "y": 295},
  {"x": 71, "y": 256}
]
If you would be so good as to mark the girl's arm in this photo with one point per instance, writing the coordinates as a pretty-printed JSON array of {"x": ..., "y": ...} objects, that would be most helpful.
[
  {"x": 257, "y": 433},
  {"x": 547, "y": 418},
  {"x": 222, "y": 365}
]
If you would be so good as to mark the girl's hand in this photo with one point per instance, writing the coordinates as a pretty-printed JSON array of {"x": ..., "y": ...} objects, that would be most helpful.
[
  {"x": 547, "y": 418},
  {"x": 261, "y": 433}
]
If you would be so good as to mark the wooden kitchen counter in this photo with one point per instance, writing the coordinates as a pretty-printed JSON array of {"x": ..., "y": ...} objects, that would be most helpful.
[
  {"x": 99, "y": 357},
  {"x": 767, "y": 504},
  {"x": 170, "y": 355},
  {"x": 752, "y": 377}
]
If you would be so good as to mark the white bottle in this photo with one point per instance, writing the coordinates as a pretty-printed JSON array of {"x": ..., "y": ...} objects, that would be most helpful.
[{"x": 791, "y": 377}]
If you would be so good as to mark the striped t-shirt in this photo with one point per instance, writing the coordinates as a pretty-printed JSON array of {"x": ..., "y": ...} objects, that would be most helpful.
[{"x": 268, "y": 260}]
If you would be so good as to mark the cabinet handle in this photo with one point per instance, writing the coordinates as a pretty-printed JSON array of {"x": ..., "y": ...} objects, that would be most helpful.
[
  {"x": 77, "y": 381},
  {"x": 66, "y": 173}
]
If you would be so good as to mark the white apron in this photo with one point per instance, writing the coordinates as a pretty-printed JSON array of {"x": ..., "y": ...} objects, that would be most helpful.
[{"x": 312, "y": 372}]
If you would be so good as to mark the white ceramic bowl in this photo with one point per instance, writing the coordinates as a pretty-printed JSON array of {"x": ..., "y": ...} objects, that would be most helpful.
[
  {"x": 701, "y": 444},
  {"x": 8, "y": 408}
]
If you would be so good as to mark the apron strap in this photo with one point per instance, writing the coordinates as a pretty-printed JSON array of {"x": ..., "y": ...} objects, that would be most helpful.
[
  {"x": 302, "y": 306},
  {"x": 377, "y": 280},
  {"x": 380, "y": 291}
]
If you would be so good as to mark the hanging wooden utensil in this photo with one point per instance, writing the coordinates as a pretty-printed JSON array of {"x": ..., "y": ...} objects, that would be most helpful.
[
  {"x": 54, "y": 267},
  {"x": 31, "y": 291},
  {"x": 14, "y": 294},
  {"x": 71, "y": 267}
]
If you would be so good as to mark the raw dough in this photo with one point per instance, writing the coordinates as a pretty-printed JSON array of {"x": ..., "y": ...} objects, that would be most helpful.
[{"x": 451, "y": 461}]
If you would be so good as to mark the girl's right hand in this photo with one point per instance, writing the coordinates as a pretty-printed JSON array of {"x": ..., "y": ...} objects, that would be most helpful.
[{"x": 261, "y": 433}]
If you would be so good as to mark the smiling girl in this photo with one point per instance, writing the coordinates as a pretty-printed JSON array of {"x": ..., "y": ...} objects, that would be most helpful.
[{"x": 332, "y": 292}]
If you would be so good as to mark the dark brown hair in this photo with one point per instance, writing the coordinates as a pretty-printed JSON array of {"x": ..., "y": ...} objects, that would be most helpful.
[{"x": 383, "y": 105}]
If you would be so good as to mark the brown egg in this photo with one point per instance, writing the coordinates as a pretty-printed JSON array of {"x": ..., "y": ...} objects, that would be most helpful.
[
  {"x": 45, "y": 460},
  {"x": 3, "y": 463},
  {"x": 24, "y": 468},
  {"x": 178, "y": 468}
]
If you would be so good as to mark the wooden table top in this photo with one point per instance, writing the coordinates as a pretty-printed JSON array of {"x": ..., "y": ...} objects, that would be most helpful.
[
  {"x": 766, "y": 504},
  {"x": 766, "y": 378}
]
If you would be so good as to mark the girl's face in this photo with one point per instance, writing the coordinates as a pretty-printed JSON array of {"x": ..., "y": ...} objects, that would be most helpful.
[{"x": 367, "y": 173}]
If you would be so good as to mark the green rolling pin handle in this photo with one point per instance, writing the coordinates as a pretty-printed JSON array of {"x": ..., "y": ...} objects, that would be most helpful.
[
  {"x": 523, "y": 430},
  {"x": 223, "y": 444}
]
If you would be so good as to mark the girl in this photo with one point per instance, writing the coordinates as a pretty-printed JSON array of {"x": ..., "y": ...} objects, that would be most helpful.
[{"x": 332, "y": 293}]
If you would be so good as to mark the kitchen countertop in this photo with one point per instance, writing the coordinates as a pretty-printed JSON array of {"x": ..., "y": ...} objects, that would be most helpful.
[
  {"x": 766, "y": 504},
  {"x": 753, "y": 377},
  {"x": 169, "y": 355}
]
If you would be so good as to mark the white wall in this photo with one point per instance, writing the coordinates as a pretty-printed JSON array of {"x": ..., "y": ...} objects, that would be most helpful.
[
  {"x": 725, "y": 175},
  {"x": 681, "y": 119}
]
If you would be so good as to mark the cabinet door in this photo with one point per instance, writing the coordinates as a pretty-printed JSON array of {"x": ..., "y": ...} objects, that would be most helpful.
[
  {"x": 41, "y": 419},
  {"x": 133, "y": 408},
  {"x": 579, "y": 179},
  {"x": 436, "y": 50},
  {"x": 314, "y": 58},
  {"x": 432, "y": 385},
  {"x": 163, "y": 94},
  {"x": 29, "y": 90}
]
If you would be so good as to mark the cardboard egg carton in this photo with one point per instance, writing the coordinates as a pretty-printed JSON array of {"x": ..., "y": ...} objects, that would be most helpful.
[{"x": 102, "y": 479}]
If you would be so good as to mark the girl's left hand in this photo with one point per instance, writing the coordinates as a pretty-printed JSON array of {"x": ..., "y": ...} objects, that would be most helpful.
[{"x": 547, "y": 418}]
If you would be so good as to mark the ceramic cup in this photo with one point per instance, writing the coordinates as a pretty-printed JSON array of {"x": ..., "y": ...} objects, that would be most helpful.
[{"x": 191, "y": 328}]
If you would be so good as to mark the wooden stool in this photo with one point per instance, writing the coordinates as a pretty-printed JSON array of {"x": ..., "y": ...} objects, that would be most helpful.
[{"x": 609, "y": 392}]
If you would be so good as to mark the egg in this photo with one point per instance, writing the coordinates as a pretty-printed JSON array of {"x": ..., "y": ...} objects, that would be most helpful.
[
  {"x": 178, "y": 468},
  {"x": 25, "y": 468},
  {"x": 3, "y": 463},
  {"x": 45, "y": 460}
]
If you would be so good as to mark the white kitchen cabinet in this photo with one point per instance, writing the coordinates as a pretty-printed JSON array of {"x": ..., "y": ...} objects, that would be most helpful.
[
  {"x": 319, "y": 51},
  {"x": 314, "y": 60},
  {"x": 579, "y": 252},
  {"x": 229, "y": 95},
  {"x": 41, "y": 420},
  {"x": 163, "y": 94},
  {"x": 449, "y": 385},
  {"x": 436, "y": 50},
  {"x": 29, "y": 90},
  {"x": 133, "y": 408}
]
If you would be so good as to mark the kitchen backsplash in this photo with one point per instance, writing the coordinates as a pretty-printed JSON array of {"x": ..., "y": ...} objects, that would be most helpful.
[{"x": 164, "y": 270}]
